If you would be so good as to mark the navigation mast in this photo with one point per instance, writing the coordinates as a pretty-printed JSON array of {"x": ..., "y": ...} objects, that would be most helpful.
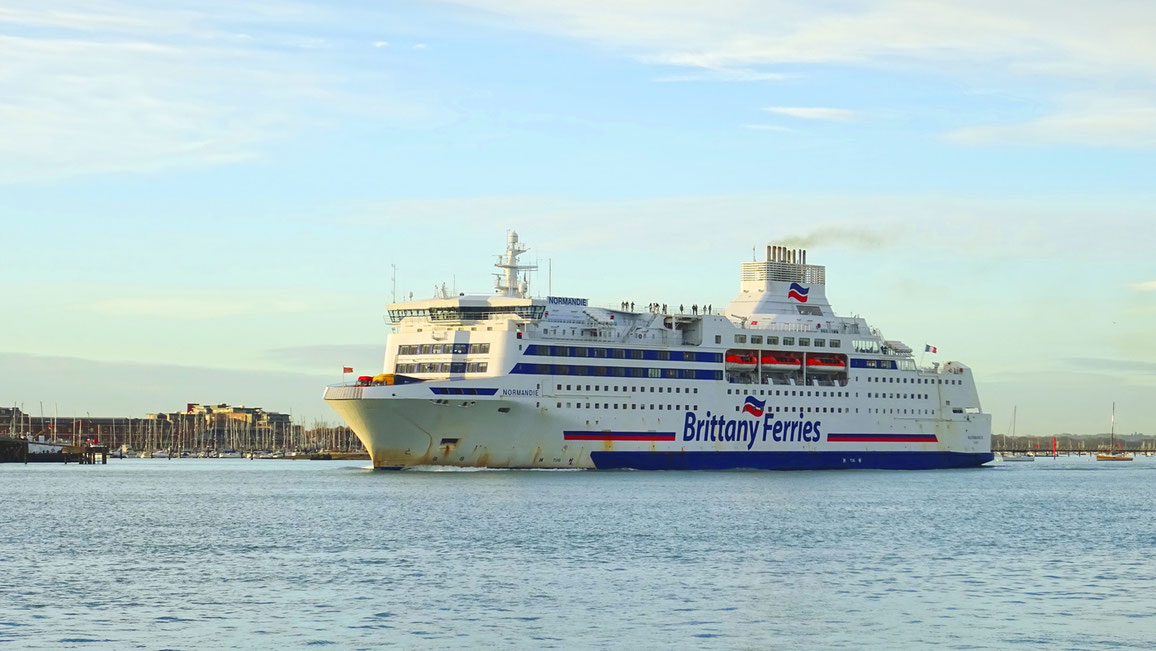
[{"x": 507, "y": 282}]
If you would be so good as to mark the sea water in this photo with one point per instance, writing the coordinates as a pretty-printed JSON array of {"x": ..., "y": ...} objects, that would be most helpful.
[{"x": 197, "y": 553}]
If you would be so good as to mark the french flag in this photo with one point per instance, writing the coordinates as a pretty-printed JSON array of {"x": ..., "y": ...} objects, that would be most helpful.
[
  {"x": 798, "y": 292},
  {"x": 754, "y": 406},
  {"x": 930, "y": 349}
]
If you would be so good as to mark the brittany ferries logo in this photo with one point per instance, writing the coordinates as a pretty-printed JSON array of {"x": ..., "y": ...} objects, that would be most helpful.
[
  {"x": 754, "y": 407},
  {"x": 757, "y": 425},
  {"x": 798, "y": 292}
]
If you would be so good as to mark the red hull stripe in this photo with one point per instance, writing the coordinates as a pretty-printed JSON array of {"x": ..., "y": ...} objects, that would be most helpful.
[
  {"x": 617, "y": 436},
  {"x": 882, "y": 438}
]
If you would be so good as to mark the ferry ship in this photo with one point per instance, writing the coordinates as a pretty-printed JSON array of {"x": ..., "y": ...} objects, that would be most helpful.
[{"x": 775, "y": 380}]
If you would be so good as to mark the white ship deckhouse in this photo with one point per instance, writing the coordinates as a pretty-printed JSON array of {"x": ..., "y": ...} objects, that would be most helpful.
[{"x": 775, "y": 380}]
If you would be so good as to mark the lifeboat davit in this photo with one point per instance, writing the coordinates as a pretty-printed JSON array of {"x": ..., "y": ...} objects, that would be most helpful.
[
  {"x": 825, "y": 364},
  {"x": 780, "y": 362}
]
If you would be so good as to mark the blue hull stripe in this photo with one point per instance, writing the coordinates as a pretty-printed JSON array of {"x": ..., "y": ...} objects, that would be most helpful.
[{"x": 788, "y": 460}]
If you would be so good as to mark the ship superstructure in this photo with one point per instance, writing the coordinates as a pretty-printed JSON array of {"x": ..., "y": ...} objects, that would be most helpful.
[{"x": 775, "y": 380}]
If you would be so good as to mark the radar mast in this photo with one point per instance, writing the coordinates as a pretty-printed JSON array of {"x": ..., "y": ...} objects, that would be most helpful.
[{"x": 507, "y": 283}]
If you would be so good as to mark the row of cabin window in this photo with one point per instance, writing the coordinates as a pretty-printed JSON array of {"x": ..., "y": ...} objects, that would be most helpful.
[
  {"x": 633, "y": 389},
  {"x": 618, "y": 371},
  {"x": 623, "y": 353},
  {"x": 787, "y": 392},
  {"x": 797, "y": 410},
  {"x": 474, "y": 313},
  {"x": 787, "y": 341},
  {"x": 900, "y": 365},
  {"x": 842, "y": 410},
  {"x": 607, "y": 405},
  {"x": 779, "y": 409},
  {"x": 826, "y": 394},
  {"x": 924, "y": 412},
  {"x": 443, "y": 367},
  {"x": 443, "y": 349},
  {"x": 913, "y": 380}
]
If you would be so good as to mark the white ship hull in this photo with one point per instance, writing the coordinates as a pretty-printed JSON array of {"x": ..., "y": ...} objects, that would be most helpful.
[
  {"x": 532, "y": 432},
  {"x": 779, "y": 382}
]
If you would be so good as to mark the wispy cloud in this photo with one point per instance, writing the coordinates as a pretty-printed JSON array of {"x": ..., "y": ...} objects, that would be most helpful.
[
  {"x": 1146, "y": 286},
  {"x": 1109, "y": 365},
  {"x": 1117, "y": 122},
  {"x": 814, "y": 113},
  {"x": 362, "y": 357},
  {"x": 726, "y": 75},
  {"x": 1060, "y": 48},
  {"x": 185, "y": 308},
  {"x": 973, "y": 227},
  {"x": 108, "y": 388},
  {"x": 99, "y": 87}
]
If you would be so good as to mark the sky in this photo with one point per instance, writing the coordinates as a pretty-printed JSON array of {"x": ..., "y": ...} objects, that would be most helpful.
[{"x": 205, "y": 201}]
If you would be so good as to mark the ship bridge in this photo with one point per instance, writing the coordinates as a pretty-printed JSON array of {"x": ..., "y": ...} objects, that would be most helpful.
[{"x": 467, "y": 308}]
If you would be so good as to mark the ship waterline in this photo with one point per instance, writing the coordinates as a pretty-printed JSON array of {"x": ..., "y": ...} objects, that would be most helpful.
[{"x": 780, "y": 382}]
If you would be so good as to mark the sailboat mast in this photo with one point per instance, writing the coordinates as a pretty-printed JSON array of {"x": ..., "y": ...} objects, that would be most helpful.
[{"x": 1113, "y": 431}]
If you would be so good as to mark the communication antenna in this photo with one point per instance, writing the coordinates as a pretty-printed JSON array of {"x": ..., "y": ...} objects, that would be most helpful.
[{"x": 393, "y": 279}]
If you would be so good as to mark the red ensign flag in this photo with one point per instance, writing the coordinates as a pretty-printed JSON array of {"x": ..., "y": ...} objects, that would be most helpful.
[{"x": 347, "y": 369}]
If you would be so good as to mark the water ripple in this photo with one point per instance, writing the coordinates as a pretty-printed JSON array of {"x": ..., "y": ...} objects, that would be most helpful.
[{"x": 203, "y": 553}]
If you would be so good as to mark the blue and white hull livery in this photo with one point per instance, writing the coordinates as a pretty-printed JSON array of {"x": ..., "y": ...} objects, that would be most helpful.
[{"x": 779, "y": 383}]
